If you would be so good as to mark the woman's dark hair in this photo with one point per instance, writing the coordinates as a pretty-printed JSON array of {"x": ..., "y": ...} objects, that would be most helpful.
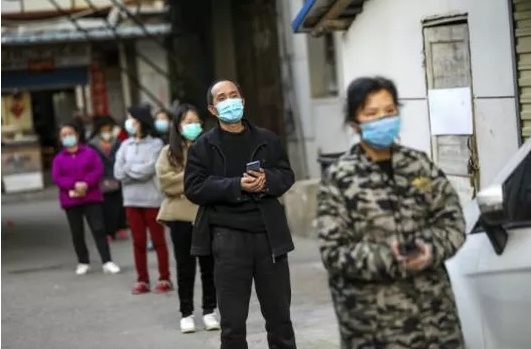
[
  {"x": 361, "y": 88},
  {"x": 176, "y": 140},
  {"x": 142, "y": 114},
  {"x": 72, "y": 125}
]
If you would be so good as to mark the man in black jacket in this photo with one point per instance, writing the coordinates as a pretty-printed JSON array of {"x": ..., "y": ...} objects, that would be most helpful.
[{"x": 240, "y": 220}]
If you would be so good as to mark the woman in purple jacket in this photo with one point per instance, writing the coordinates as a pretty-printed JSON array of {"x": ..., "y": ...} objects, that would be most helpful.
[{"x": 77, "y": 171}]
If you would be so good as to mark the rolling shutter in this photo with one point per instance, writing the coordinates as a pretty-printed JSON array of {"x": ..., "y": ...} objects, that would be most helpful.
[{"x": 522, "y": 25}]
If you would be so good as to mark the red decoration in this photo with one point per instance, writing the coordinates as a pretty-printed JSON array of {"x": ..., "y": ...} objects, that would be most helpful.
[
  {"x": 98, "y": 89},
  {"x": 17, "y": 108}
]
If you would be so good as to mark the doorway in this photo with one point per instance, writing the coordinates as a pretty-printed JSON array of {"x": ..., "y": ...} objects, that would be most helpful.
[
  {"x": 448, "y": 73},
  {"x": 50, "y": 109}
]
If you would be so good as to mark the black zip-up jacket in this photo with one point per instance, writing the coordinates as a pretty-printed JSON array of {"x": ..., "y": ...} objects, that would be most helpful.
[{"x": 206, "y": 184}]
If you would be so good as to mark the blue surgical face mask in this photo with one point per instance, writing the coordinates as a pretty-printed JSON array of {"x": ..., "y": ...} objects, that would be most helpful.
[
  {"x": 69, "y": 141},
  {"x": 380, "y": 133},
  {"x": 192, "y": 131},
  {"x": 130, "y": 127},
  {"x": 162, "y": 126},
  {"x": 230, "y": 111}
]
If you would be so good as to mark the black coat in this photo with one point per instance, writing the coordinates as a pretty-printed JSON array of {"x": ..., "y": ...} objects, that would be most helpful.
[
  {"x": 206, "y": 184},
  {"x": 108, "y": 160}
]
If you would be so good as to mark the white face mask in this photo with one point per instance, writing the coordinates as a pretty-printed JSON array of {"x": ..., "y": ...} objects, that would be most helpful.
[{"x": 106, "y": 136}]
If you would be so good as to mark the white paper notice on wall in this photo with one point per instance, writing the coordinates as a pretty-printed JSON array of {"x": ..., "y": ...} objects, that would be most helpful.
[{"x": 450, "y": 111}]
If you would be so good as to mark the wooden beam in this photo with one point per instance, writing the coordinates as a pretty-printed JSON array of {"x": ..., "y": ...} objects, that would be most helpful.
[{"x": 332, "y": 14}]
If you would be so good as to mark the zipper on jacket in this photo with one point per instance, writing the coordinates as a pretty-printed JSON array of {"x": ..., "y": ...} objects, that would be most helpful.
[{"x": 222, "y": 158}]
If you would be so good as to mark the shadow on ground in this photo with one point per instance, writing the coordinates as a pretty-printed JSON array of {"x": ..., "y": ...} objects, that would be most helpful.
[{"x": 46, "y": 306}]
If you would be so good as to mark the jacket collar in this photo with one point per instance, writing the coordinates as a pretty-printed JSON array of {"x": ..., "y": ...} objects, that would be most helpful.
[
  {"x": 80, "y": 149},
  {"x": 215, "y": 139},
  {"x": 400, "y": 157}
]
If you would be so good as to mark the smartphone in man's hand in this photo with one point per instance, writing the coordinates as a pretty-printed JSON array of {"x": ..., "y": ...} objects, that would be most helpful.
[{"x": 253, "y": 166}]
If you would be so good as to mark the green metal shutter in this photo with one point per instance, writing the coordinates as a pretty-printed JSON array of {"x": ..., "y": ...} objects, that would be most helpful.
[{"x": 522, "y": 25}]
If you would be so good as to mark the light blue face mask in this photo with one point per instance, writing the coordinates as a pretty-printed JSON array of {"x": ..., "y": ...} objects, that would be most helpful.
[
  {"x": 230, "y": 111},
  {"x": 192, "y": 131},
  {"x": 69, "y": 141},
  {"x": 162, "y": 126},
  {"x": 130, "y": 127},
  {"x": 380, "y": 133}
]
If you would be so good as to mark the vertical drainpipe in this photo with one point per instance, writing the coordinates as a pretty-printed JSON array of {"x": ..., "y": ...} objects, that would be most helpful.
[{"x": 515, "y": 70}]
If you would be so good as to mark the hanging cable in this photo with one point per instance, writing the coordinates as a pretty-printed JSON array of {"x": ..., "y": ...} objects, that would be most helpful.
[{"x": 87, "y": 37}]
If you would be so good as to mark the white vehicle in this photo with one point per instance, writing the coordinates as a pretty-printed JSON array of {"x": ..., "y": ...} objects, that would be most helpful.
[{"x": 491, "y": 274}]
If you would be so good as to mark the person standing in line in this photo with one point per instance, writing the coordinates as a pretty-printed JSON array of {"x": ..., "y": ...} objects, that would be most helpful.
[
  {"x": 106, "y": 145},
  {"x": 388, "y": 219},
  {"x": 135, "y": 168},
  {"x": 162, "y": 125},
  {"x": 178, "y": 214},
  {"x": 77, "y": 171},
  {"x": 236, "y": 172}
]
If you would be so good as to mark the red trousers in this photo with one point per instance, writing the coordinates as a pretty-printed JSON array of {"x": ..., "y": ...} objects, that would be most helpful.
[{"x": 141, "y": 218}]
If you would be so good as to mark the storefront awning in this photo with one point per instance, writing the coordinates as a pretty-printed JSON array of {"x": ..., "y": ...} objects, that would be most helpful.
[
  {"x": 72, "y": 34},
  {"x": 55, "y": 79},
  {"x": 323, "y": 16}
]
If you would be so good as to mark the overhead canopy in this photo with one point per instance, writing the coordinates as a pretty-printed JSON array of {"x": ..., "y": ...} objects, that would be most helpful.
[
  {"x": 68, "y": 33},
  {"x": 56, "y": 79},
  {"x": 322, "y": 16}
]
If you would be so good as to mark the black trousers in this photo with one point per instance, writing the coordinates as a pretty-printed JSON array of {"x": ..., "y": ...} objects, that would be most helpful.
[
  {"x": 94, "y": 216},
  {"x": 113, "y": 212},
  {"x": 181, "y": 236},
  {"x": 238, "y": 258}
]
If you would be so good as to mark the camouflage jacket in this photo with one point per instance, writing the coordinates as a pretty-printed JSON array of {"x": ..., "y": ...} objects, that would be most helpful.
[{"x": 361, "y": 212}]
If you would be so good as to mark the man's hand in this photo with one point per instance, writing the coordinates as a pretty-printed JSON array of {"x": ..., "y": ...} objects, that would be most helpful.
[
  {"x": 253, "y": 182},
  {"x": 417, "y": 261}
]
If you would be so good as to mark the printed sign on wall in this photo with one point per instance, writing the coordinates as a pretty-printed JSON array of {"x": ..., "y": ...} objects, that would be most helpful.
[{"x": 17, "y": 111}]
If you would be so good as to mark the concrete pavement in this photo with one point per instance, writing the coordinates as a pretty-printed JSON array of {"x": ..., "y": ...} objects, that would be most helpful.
[{"x": 46, "y": 306}]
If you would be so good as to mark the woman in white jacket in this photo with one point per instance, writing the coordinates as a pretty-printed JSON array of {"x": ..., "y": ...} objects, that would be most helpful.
[{"x": 135, "y": 168}]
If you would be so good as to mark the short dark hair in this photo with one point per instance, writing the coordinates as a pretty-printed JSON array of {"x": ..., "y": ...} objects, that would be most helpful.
[
  {"x": 361, "y": 88},
  {"x": 72, "y": 125},
  {"x": 210, "y": 96}
]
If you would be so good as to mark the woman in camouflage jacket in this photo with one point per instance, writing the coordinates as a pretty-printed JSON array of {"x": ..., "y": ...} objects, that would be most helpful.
[{"x": 388, "y": 219}]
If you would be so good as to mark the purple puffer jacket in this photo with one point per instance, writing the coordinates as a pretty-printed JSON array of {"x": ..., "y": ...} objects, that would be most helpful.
[{"x": 82, "y": 166}]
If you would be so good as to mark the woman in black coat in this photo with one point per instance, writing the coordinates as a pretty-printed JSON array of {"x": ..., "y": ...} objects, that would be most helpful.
[{"x": 107, "y": 145}]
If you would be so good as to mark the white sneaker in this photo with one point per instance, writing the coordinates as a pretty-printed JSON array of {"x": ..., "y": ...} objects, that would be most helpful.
[
  {"x": 110, "y": 268},
  {"x": 188, "y": 324},
  {"x": 82, "y": 269},
  {"x": 211, "y": 322}
]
